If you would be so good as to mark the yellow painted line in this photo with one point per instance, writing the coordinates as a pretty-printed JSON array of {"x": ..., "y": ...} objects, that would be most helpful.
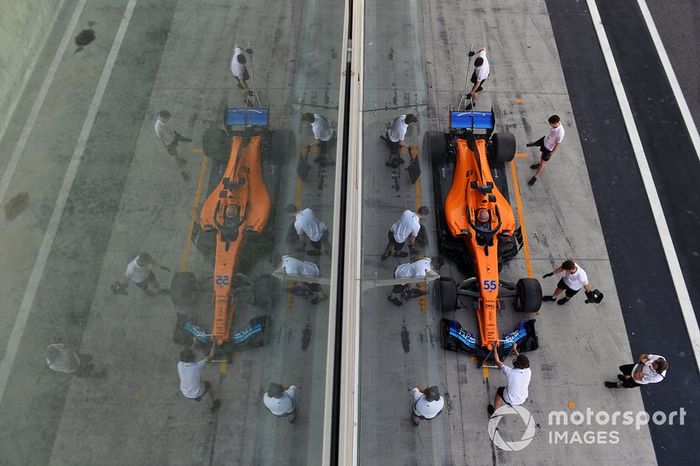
[
  {"x": 522, "y": 155},
  {"x": 290, "y": 298},
  {"x": 222, "y": 367},
  {"x": 521, "y": 218},
  {"x": 195, "y": 210},
  {"x": 298, "y": 190},
  {"x": 197, "y": 150}
]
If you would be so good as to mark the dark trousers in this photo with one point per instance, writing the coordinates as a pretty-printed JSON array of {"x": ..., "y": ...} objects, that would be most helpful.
[{"x": 626, "y": 369}]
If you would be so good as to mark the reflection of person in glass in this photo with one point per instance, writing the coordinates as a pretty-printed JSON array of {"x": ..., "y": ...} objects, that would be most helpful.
[
  {"x": 311, "y": 291},
  {"x": 310, "y": 230},
  {"x": 281, "y": 401},
  {"x": 239, "y": 69},
  {"x": 323, "y": 134},
  {"x": 232, "y": 223},
  {"x": 483, "y": 220}
]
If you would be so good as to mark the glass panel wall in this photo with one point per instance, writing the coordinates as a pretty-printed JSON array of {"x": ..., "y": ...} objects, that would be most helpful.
[{"x": 189, "y": 197}]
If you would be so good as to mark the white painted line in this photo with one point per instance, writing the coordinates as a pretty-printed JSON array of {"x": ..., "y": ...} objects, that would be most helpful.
[
  {"x": 39, "y": 102},
  {"x": 671, "y": 75},
  {"x": 9, "y": 114},
  {"x": 691, "y": 322},
  {"x": 13, "y": 342}
]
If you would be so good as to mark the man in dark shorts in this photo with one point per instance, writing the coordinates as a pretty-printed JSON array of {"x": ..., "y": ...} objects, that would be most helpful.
[
  {"x": 571, "y": 283},
  {"x": 140, "y": 272},
  {"x": 548, "y": 145}
]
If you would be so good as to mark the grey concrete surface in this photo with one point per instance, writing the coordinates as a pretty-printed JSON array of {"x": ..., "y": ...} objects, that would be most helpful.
[{"x": 24, "y": 29}]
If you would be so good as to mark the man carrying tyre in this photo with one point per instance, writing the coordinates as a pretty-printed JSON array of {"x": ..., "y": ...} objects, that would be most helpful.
[{"x": 570, "y": 284}]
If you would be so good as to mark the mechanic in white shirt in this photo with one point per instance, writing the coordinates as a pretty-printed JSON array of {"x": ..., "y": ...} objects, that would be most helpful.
[
  {"x": 548, "y": 144},
  {"x": 571, "y": 283},
  {"x": 427, "y": 403},
  {"x": 141, "y": 273},
  {"x": 190, "y": 371},
  {"x": 311, "y": 291},
  {"x": 281, "y": 401},
  {"x": 651, "y": 368},
  {"x": 482, "y": 70},
  {"x": 310, "y": 230},
  {"x": 323, "y": 134},
  {"x": 416, "y": 269},
  {"x": 395, "y": 136},
  {"x": 170, "y": 139},
  {"x": 238, "y": 67},
  {"x": 515, "y": 391},
  {"x": 405, "y": 229}
]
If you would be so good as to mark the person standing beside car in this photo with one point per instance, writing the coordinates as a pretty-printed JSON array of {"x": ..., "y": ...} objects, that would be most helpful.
[{"x": 570, "y": 284}]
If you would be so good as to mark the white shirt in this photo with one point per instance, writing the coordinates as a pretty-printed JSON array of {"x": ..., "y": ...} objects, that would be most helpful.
[
  {"x": 237, "y": 69},
  {"x": 425, "y": 408},
  {"x": 417, "y": 269},
  {"x": 294, "y": 266},
  {"x": 576, "y": 280},
  {"x": 306, "y": 222},
  {"x": 398, "y": 129},
  {"x": 517, "y": 383},
  {"x": 282, "y": 405},
  {"x": 137, "y": 273},
  {"x": 484, "y": 70},
  {"x": 649, "y": 375},
  {"x": 164, "y": 132},
  {"x": 322, "y": 130},
  {"x": 191, "y": 384},
  {"x": 408, "y": 224},
  {"x": 554, "y": 136}
]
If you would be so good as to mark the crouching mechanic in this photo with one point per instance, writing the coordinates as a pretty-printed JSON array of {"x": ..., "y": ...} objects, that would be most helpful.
[
  {"x": 310, "y": 291},
  {"x": 427, "y": 403},
  {"x": 570, "y": 284},
  {"x": 417, "y": 269},
  {"x": 281, "y": 401},
  {"x": 515, "y": 391}
]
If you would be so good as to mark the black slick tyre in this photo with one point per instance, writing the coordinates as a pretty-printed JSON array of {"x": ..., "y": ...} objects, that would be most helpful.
[{"x": 528, "y": 295}]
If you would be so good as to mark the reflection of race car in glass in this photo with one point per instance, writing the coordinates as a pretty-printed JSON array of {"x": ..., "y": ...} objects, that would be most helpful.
[
  {"x": 237, "y": 205},
  {"x": 477, "y": 229}
]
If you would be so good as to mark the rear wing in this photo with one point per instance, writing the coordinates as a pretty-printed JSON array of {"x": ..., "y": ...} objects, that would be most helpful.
[
  {"x": 247, "y": 117},
  {"x": 471, "y": 120}
]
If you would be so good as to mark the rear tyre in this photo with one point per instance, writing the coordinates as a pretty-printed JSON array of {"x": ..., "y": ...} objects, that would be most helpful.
[
  {"x": 216, "y": 144},
  {"x": 502, "y": 148},
  {"x": 528, "y": 295},
  {"x": 448, "y": 294},
  {"x": 437, "y": 144},
  {"x": 183, "y": 289}
]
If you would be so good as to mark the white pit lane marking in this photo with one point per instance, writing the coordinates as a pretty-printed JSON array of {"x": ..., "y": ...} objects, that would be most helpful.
[
  {"x": 691, "y": 322},
  {"x": 13, "y": 342}
]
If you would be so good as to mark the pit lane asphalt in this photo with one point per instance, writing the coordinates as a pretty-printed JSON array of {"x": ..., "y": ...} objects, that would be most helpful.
[{"x": 652, "y": 315}]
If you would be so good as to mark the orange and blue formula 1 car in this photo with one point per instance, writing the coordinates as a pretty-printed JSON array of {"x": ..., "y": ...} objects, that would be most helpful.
[
  {"x": 238, "y": 205},
  {"x": 477, "y": 230}
]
